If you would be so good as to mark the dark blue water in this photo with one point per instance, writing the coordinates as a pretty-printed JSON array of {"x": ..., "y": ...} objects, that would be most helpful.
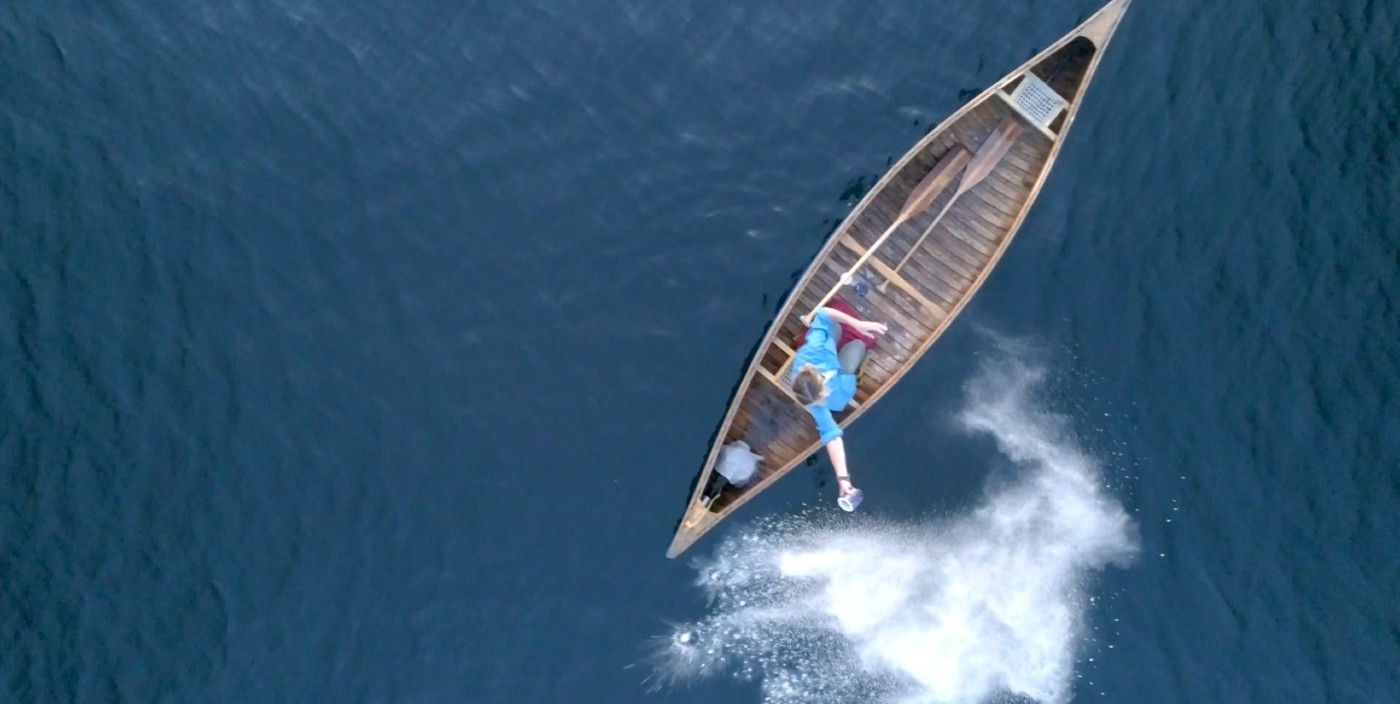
[{"x": 365, "y": 352}]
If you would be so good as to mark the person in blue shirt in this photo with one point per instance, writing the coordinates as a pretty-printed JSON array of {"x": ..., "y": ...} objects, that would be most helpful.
[{"x": 823, "y": 379}]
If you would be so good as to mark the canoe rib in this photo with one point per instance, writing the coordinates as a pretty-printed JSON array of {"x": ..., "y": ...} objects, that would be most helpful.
[{"x": 925, "y": 294}]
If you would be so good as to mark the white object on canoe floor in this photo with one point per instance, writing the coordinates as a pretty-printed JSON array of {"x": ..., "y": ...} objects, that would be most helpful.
[{"x": 737, "y": 463}]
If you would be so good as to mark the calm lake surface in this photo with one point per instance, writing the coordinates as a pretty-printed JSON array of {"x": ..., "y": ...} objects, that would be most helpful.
[{"x": 366, "y": 351}]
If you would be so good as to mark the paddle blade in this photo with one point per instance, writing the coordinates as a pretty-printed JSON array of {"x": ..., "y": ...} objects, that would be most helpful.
[
  {"x": 996, "y": 146},
  {"x": 935, "y": 182}
]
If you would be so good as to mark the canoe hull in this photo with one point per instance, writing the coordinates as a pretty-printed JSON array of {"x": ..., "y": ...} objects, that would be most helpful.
[{"x": 918, "y": 278}]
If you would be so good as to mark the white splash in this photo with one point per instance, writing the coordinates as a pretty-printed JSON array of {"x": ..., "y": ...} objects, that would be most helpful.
[{"x": 850, "y": 609}]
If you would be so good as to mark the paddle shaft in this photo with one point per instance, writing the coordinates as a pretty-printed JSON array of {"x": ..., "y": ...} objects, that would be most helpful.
[
  {"x": 927, "y": 230},
  {"x": 987, "y": 156},
  {"x": 846, "y": 277},
  {"x": 997, "y": 144}
]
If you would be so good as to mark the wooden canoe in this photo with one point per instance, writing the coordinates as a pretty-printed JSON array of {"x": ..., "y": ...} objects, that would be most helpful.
[{"x": 1016, "y": 131}]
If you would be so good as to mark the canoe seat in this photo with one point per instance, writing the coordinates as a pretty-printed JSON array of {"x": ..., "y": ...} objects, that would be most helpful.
[{"x": 1035, "y": 101}]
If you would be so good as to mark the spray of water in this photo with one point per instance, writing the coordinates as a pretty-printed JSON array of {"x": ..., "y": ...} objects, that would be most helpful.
[{"x": 836, "y": 608}]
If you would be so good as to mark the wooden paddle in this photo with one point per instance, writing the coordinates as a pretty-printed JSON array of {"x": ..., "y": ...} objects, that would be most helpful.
[
  {"x": 918, "y": 201},
  {"x": 997, "y": 144}
]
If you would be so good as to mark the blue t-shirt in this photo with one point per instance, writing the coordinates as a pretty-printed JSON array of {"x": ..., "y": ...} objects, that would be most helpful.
[{"x": 820, "y": 351}]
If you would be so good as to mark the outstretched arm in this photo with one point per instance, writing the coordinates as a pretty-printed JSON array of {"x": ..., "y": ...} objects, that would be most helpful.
[
  {"x": 836, "y": 450},
  {"x": 862, "y": 325}
]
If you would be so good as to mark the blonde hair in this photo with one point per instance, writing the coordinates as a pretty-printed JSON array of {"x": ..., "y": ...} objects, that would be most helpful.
[{"x": 807, "y": 385}]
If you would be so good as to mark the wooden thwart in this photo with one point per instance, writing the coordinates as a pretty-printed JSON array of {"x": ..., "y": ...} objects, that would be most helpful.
[
  {"x": 919, "y": 200},
  {"x": 781, "y": 386},
  {"x": 893, "y": 277},
  {"x": 782, "y": 369}
]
